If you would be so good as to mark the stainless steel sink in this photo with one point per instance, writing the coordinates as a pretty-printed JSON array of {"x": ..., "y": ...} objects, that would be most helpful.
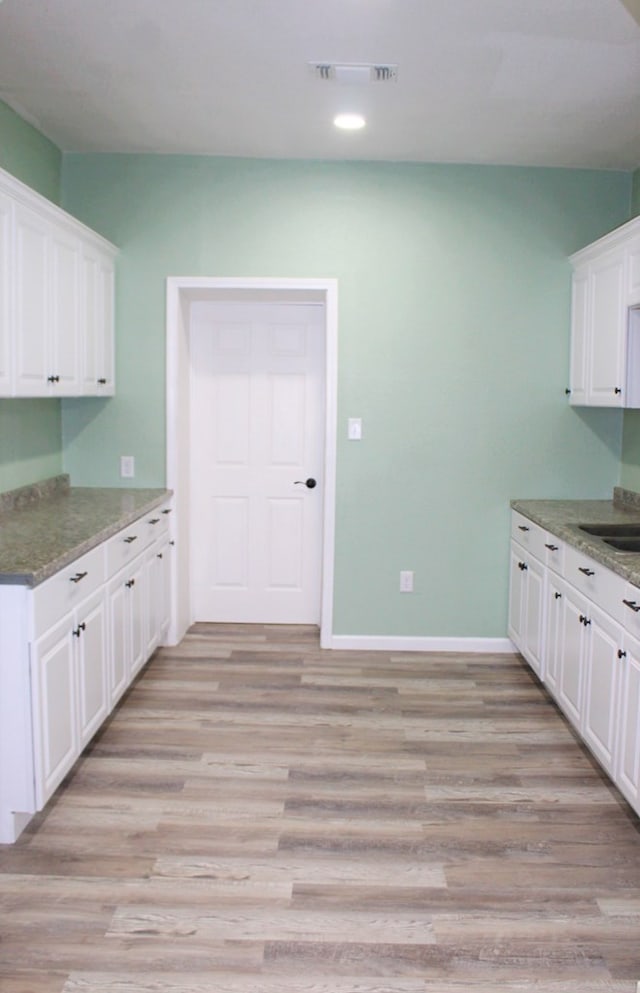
[
  {"x": 606, "y": 531},
  {"x": 623, "y": 544}
]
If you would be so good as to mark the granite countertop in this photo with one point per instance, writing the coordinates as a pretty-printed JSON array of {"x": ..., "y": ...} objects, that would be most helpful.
[
  {"x": 563, "y": 517},
  {"x": 46, "y": 526}
]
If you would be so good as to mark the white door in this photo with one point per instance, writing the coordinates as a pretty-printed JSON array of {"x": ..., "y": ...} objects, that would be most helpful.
[{"x": 257, "y": 436}]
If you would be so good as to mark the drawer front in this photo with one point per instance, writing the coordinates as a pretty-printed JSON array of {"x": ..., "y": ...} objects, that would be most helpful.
[
  {"x": 126, "y": 545},
  {"x": 529, "y": 535},
  {"x": 554, "y": 553},
  {"x": 157, "y": 522},
  {"x": 596, "y": 581},
  {"x": 631, "y": 610},
  {"x": 57, "y": 596}
]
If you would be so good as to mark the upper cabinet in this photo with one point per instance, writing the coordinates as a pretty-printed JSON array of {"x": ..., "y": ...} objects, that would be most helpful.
[
  {"x": 56, "y": 300},
  {"x": 604, "y": 323}
]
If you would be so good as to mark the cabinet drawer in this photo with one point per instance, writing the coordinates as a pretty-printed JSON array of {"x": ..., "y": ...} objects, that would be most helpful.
[
  {"x": 596, "y": 581},
  {"x": 157, "y": 522},
  {"x": 57, "y": 596},
  {"x": 631, "y": 610},
  {"x": 531, "y": 536},
  {"x": 126, "y": 545},
  {"x": 554, "y": 553}
]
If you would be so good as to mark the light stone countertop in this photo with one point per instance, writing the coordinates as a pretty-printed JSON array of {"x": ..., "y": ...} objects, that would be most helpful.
[
  {"x": 45, "y": 527},
  {"x": 563, "y": 517}
]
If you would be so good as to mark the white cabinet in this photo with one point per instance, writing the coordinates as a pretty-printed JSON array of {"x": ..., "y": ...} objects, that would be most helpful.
[
  {"x": 627, "y": 773},
  {"x": 606, "y": 282},
  {"x": 56, "y": 324},
  {"x": 588, "y": 654},
  {"x": 526, "y": 605},
  {"x": 97, "y": 291},
  {"x": 69, "y": 685},
  {"x": 32, "y": 373},
  {"x": 158, "y": 568},
  {"x": 128, "y": 619}
]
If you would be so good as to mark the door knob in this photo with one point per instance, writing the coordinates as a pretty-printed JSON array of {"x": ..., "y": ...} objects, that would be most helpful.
[{"x": 309, "y": 483}]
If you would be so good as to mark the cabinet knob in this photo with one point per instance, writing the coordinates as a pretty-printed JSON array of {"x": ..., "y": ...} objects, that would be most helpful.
[
  {"x": 621, "y": 654},
  {"x": 617, "y": 389},
  {"x": 80, "y": 628},
  {"x": 522, "y": 566},
  {"x": 584, "y": 620},
  {"x": 159, "y": 555},
  {"x": 632, "y": 605},
  {"x": 53, "y": 379},
  {"x": 102, "y": 382},
  {"x": 557, "y": 596},
  {"x": 567, "y": 392},
  {"x": 130, "y": 583},
  {"x": 587, "y": 572}
]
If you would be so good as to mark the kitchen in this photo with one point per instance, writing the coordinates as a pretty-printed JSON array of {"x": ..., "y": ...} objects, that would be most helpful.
[{"x": 454, "y": 313}]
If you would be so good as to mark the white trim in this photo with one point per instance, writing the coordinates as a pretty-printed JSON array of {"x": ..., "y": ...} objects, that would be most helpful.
[
  {"x": 181, "y": 291},
  {"x": 391, "y": 643}
]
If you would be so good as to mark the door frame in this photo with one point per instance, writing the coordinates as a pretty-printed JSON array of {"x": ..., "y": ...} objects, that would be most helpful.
[{"x": 182, "y": 291}]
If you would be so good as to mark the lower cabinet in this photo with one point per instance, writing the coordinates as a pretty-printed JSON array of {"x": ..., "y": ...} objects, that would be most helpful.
[
  {"x": 585, "y": 655},
  {"x": 628, "y": 753},
  {"x": 69, "y": 686}
]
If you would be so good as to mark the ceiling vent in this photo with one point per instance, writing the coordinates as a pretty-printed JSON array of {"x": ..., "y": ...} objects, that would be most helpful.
[{"x": 359, "y": 73}]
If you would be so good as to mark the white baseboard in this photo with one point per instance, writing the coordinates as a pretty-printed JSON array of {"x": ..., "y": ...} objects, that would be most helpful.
[{"x": 391, "y": 643}]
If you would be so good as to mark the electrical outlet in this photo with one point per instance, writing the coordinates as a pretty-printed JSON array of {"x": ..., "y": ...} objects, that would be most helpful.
[
  {"x": 127, "y": 466},
  {"x": 406, "y": 581}
]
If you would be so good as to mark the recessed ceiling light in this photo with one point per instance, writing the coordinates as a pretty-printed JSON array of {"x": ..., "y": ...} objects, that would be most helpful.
[{"x": 349, "y": 122}]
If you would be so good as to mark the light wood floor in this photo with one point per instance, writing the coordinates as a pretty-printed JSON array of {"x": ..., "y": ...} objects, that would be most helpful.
[{"x": 263, "y": 817}]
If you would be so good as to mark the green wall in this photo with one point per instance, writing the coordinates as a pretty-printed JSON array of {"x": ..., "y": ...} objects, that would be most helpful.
[
  {"x": 30, "y": 430},
  {"x": 454, "y": 309}
]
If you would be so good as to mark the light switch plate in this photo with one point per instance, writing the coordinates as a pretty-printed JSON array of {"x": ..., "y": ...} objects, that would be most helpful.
[
  {"x": 354, "y": 431},
  {"x": 127, "y": 466}
]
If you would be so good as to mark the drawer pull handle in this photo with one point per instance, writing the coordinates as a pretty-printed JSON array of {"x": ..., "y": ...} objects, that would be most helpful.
[
  {"x": 154, "y": 520},
  {"x": 632, "y": 604},
  {"x": 523, "y": 527},
  {"x": 552, "y": 548},
  {"x": 584, "y": 620},
  {"x": 621, "y": 654},
  {"x": 80, "y": 628},
  {"x": 522, "y": 566},
  {"x": 130, "y": 583},
  {"x": 587, "y": 572},
  {"x": 166, "y": 511},
  {"x": 78, "y": 576},
  {"x": 132, "y": 537},
  {"x": 53, "y": 379}
]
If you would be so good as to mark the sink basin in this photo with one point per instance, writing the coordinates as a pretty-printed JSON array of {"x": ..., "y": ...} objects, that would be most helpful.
[
  {"x": 612, "y": 530},
  {"x": 623, "y": 544}
]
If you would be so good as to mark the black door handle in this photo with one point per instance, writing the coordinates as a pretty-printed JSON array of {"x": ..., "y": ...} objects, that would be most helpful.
[{"x": 310, "y": 483}]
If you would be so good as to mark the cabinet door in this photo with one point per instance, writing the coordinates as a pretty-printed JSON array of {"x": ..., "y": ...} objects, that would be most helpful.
[
  {"x": 516, "y": 595},
  {"x": 570, "y": 674},
  {"x": 627, "y": 771},
  {"x": 533, "y": 648},
  {"x": 65, "y": 312},
  {"x": 54, "y": 718},
  {"x": 633, "y": 273},
  {"x": 96, "y": 331},
  {"x": 579, "y": 336},
  {"x": 119, "y": 639},
  {"x": 602, "y": 640},
  {"x": 158, "y": 575},
  {"x": 607, "y": 331},
  {"x": 6, "y": 224},
  {"x": 555, "y": 635},
  {"x": 31, "y": 304},
  {"x": 90, "y": 632},
  {"x": 138, "y": 613}
]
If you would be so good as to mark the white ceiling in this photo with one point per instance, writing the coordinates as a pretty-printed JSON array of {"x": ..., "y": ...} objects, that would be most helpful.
[{"x": 523, "y": 82}]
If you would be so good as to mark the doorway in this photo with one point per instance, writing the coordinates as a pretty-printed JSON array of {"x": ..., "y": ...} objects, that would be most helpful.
[{"x": 219, "y": 304}]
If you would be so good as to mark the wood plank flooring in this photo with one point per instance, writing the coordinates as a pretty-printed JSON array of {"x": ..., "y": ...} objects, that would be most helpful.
[{"x": 260, "y": 816}]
